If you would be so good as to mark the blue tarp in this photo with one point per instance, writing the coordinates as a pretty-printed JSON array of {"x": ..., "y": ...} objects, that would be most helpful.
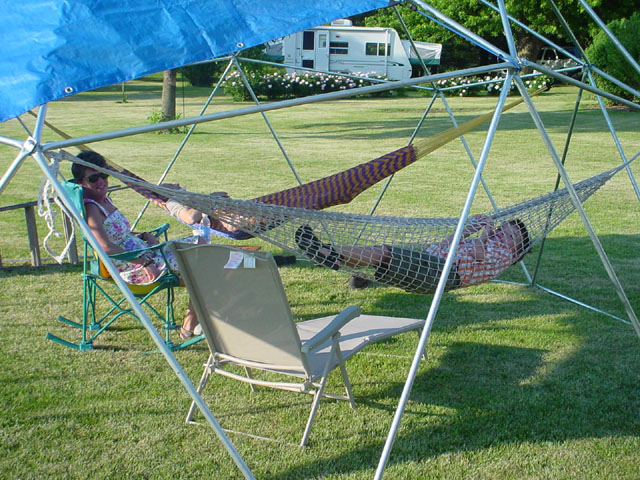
[{"x": 56, "y": 48}]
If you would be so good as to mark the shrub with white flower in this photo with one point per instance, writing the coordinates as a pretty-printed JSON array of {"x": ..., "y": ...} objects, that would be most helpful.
[
  {"x": 297, "y": 84},
  {"x": 276, "y": 85},
  {"x": 488, "y": 84}
]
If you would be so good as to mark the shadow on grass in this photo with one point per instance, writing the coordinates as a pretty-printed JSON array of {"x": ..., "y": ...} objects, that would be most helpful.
[
  {"x": 580, "y": 383},
  {"x": 556, "y": 121},
  {"x": 47, "y": 269},
  {"x": 495, "y": 395}
]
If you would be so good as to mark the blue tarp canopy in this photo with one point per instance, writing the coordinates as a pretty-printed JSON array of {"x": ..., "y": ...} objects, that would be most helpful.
[{"x": 56, "y": 48}]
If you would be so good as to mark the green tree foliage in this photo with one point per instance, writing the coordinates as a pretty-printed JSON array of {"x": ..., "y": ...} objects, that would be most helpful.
[
  {"x": 603, "y": 53},
  {"x": 206, "y": 74},
  {"x": 484, "y": 21},
  {"x": 203, "y": 74}
]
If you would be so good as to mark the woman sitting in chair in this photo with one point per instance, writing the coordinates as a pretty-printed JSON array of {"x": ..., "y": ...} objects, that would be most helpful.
[{"x": 112, "y": 230}]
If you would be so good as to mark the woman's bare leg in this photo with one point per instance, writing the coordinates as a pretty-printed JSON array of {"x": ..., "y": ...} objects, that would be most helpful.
[{"x": 189, "y": 323}]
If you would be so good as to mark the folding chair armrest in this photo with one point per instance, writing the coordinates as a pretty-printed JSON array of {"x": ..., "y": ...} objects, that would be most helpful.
[
  {"x": 160, "y": 230},
  {"x": 336, "y": 324},
  {"x": 135, "y": 253}
]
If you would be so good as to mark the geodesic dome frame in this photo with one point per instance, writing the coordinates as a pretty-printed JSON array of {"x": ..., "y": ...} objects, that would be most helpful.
[{"x": 37, "y": 72}]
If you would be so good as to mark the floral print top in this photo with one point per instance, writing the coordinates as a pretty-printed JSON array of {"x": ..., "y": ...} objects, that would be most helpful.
[{"x": 118, "y": 227}]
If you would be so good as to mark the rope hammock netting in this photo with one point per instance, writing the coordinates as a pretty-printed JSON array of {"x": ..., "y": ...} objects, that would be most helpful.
[{"x": 408, "y": 253}]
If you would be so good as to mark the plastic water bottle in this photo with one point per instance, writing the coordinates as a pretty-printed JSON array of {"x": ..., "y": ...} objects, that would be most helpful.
[{"x": 203, "y": 229}]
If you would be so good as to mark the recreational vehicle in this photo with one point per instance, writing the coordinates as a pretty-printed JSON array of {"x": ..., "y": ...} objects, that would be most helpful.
[{"x": 344, "y": 48}]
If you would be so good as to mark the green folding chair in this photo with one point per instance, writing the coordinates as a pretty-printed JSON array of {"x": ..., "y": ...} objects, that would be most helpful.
[{"x": 97, "y": 282}]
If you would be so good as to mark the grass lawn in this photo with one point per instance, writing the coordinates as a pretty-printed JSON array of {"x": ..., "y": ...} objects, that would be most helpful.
[{"x": 517, "y": 384}]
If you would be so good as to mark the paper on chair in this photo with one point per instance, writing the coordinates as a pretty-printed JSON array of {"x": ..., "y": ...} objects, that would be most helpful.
[
  {"x": 249, "y": 261},
  {"x": 235, "y": 259}
]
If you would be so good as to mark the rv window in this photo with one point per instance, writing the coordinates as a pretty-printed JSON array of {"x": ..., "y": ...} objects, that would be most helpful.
[
  {"x": 377, "y": 49},
  {"x": 322, "y": 40},
  {"x": 339, "y": 48}
]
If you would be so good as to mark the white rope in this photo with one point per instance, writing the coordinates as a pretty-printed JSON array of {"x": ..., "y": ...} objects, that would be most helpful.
[{"x": 45, "y": 210}]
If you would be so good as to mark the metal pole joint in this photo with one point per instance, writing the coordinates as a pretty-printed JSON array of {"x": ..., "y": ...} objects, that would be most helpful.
[{"x": 29, "y": 146}]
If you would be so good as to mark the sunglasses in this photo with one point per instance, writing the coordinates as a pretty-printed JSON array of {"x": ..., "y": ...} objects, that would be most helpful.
[{"x": 94, "y": 178}]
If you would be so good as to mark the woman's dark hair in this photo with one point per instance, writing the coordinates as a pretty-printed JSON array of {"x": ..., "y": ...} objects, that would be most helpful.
[
  {"x": 525, "y": 244},
  {"x": 78, "y": 170}
]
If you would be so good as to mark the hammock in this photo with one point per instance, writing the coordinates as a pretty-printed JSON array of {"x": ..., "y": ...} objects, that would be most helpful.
[
  {"x": 411, "y": 267},
  {"x": 336, "y": 189}
]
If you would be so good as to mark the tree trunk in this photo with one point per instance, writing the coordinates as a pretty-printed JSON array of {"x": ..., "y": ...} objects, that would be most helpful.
[
  {"x": 528, "y": 47},
  {"x": 169, "y": 94}
]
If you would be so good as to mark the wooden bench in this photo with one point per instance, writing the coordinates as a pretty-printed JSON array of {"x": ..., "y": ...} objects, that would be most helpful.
[{"x": 32, "y": 231}]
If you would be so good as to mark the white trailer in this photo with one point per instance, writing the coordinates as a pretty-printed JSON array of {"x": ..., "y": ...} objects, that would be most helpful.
[{"x": 343, "y": 48}]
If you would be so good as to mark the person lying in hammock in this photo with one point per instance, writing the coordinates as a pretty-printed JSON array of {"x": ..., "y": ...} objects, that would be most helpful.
[
  {"x": 112, "y": 230},
  {"x": 478, "y": 259}
]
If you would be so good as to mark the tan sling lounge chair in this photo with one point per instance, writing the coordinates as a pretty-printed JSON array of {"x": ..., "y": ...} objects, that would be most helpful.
[{"x": 246, "y": 319}]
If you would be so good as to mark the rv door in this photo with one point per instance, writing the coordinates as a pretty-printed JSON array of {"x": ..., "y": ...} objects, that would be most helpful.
[
  {"x": 308, "y": 49},
  {"x": 322, "y": 50}
]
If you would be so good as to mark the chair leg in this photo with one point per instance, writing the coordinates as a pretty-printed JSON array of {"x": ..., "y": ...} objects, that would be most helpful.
[
  {"x": 247, "y": 372},
  {"x": 345, "y": 378},
  {"x": 318, "y": 395},
  {"x": 203, "y": 381}
]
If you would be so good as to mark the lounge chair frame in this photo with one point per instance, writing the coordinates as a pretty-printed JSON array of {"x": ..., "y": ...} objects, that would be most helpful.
[{"x": 247, "y": 321}]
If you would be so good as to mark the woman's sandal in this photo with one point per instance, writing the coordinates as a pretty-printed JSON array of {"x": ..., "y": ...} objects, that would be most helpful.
[
  {"x": 310, "y": 244},
  {"x": 186, "y": 334}
]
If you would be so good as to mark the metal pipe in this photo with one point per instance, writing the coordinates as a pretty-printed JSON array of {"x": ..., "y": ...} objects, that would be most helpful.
[
  {"x": 611, "y": 36},
  {"x": 272, "y": 106},
  {"x": 579, "y": 84},
  {"x": 578, "y": 205},
  {"x": 465, "y": 32},
  {"x": 12, "y": 142},
  {"x": 614, "y": 80},
  {"x": 581, "y": 304},
  {"x": 616, "y": 140},
  {"x": 435, "y": 303},
  {"x": 410, "y": 37},
  {"x": 491, "y": 81},
  {"x": 564, "y": 297},
  {"x": 182, "y": 144},
  {"x": 14, "y": 167},
  {"x": 572, "y": 123},
  {"x": 504, "y": 17},
  {"x": 37, "y": 131},
  {"x": 574, "y": 40},
  {"x": 26, "y": 129},
  {"x": 141, "y": 314},
  {"x": 537, "y": 35},
  {"x": 567, "y": 29},
  {"x": 266, "y": 120}
]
